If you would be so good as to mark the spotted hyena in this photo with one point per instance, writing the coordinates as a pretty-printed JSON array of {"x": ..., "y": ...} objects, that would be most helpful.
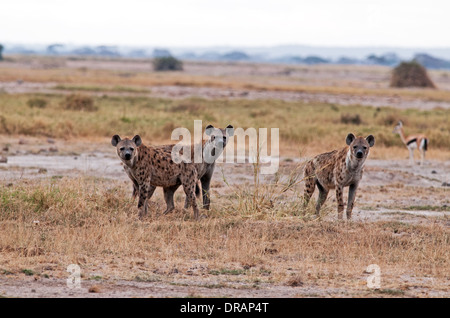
[
  {"x": 338, "y": 169},
  {"x": 152, "y": 166},
  {"x": 211, "y": 150}
]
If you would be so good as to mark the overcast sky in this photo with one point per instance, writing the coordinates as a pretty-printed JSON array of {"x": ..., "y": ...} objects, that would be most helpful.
[{"x": 180, "y": 23}]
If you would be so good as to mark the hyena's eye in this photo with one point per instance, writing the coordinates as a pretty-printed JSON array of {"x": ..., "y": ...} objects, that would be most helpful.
[
  {"x": 122, "y": 149},
  {"x": 354, "y": 147},
  {"x": 365, "y": 148},
  {"x": 132, "y": 149}
]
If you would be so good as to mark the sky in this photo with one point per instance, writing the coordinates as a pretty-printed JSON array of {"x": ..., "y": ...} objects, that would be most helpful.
[{"x": 250, "y": 23}]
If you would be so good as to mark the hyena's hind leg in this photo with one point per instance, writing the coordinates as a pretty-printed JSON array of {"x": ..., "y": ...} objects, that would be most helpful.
[
  {"x": 189, "y": 182},
  {"x": 189, "y": 190},
  {"x": 168, "y": 197},
  {"x": 310, "y": 183},
  {"x": 323, "y": 194}
]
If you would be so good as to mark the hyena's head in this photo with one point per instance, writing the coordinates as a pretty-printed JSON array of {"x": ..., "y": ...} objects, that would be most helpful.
[
  {"x": 359, "y": 146},
  {"x": 218, "y": 136},
  {"x": 398, "y": 127},
  {"x": 218, "y": 139},
  {"x": 126, "y": 148}
]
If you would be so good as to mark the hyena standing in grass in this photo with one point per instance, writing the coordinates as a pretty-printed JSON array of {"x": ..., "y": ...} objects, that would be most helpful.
[
  {"x": 211, "y": 150},
  {"x": 151, "y": 167},
  {"x": 338, "y": 169}
]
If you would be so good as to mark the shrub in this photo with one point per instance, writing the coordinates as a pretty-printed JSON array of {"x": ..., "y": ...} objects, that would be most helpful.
[
  {"x": 353, "y": 119},
  {"x": 79, "y": 102},
  {"x": 37, "y": 102},
  {"x": 410, "y": 74},
  {"x": 167, "y": 63}
]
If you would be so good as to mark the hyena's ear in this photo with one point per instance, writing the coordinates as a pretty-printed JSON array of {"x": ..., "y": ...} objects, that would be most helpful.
[
  {"x": 115, "y": 140},
  {"x": 230, "y": 130},
  {"x": 349, "y": 139},
  {"x": 209, "y": 130},
  {"x": 137, "y": 140},
  {"x": 371, "y": 140}
]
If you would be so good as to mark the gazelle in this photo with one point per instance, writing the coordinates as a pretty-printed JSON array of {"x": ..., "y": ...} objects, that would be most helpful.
[{"x": 412, "y": 142}]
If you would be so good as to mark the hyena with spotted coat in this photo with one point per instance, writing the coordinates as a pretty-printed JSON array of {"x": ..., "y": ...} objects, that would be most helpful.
[
  {"x": 338, "y": 169},
  {"x": 211, "y": 148},
  {"x": 149, "y": 167}
]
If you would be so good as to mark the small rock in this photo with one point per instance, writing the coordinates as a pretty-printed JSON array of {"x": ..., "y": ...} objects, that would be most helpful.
[
  {"x": 5, "y": 148},
  {"x": 53, "y": 149},
  {"x": 51, "y": 141},
  {"x": 94, "y": 289},
  {"x": 3, "y": 159},
  {"x": 433, "y": 171},
  {"x": 22, "y": 141},
  {"x": 42, "y": 170},
  {"x": 446, "y": 184}
]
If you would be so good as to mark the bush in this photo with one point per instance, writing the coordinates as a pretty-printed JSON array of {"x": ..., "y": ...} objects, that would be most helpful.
[
  {"x": 410, "y": 74},
  {"x": 167, "y": 63},
  {"x": 37, "y": 102},
  {"x": 353, "y": 119},
  {"x": 79, "y": 102}
]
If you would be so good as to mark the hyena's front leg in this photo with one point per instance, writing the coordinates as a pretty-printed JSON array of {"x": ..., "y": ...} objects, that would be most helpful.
[
  {"x": 145, "y": 191},
  {"x": 135, "y": 183},
  {"x": 351, "y": 199},
  {"x": 206, "y": 183},
  {"x": 340, "y": 200}
]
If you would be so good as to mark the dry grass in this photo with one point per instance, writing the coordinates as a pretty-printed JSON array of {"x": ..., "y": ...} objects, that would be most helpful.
[
  {"x": 48, "y": 224},
  {"x": 311, "y": 127}
]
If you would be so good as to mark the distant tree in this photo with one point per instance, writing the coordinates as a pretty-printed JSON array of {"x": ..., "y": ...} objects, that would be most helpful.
[
  {"x": 167, "y": 63},
  {"x": 235, "y": 56},
  {"x": 1, "y": 51},
  {"x": 315, "y": 60},
  {"x": 53, "y": 48}
]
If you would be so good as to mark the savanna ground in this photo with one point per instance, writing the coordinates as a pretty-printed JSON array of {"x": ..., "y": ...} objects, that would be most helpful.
[{"x": 65, "y": 198}]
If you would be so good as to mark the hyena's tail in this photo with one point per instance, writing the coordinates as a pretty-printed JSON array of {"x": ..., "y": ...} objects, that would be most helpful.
[
  {"x": 198, "y": 190},
  {"x": 308, "y": 175}
]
